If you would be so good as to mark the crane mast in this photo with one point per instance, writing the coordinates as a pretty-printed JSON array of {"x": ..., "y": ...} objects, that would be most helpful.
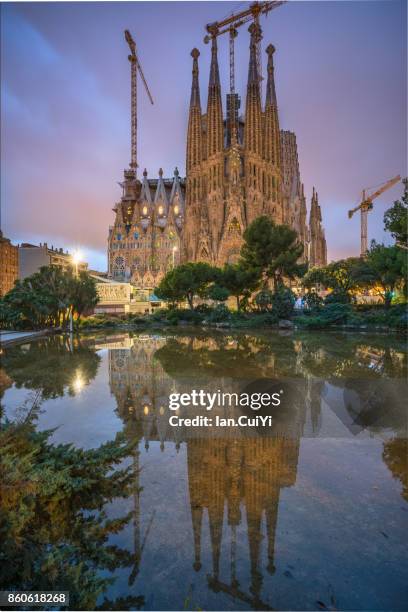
[
  {"x": 230, "y": 25},
  {"x": 134, "y": 68},
  {"x": 365, "y": 206},
  {"x": 234, "y": 21}
]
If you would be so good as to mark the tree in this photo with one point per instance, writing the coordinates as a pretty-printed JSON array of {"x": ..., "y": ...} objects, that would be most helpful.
[
  {"x": 240, "y": 282},
  {"x": 340, "y": 276},
  {"x": 169, "y": 289},
  {"x": 185, "y": 282},
  {"x": 263, "y": 300},
  {"x": 218, "y": 293},
  {"x": 271, "y": 250},
  {"x": 47, "y": 298},
  {"x": 396, "y": 219},
  {"x": 386, "y": 270},
  {"x": 84, "y": 294},
  {"x": 54, "y": 527}
]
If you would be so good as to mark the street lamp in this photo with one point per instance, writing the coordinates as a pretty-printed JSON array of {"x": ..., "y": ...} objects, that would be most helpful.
[
  {"x": 175, "y": 248},
  {"x": 76, "y": 258}
]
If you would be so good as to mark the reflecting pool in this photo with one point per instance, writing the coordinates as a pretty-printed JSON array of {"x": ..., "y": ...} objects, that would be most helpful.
[{"x": 309, "y": 513}]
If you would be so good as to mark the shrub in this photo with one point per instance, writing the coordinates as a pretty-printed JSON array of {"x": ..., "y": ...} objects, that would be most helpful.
[
  {"x": 219, "y": 314},
  {"x": 203, "y": 309},
  {"x": 263, "y": 300},
  {"x": 313, "y": 301},
  {"x": 283, "y": 303},
  {"x": 254, "y": 320},
  {"x": 331, "y": 314},
  {"x": 337, "y": 297},
  {"x": 191, "y": 316}
]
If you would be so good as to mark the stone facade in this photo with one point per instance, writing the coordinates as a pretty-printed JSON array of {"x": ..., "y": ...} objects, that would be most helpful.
[
  {"x": 293, "y": 196},
  {"x": 9, "y": 264},
  {"x": 317, "y": 242},
  {"x": 237, "y": 168},
  {"x": 144, "y": 242},
  {"x": 241, "y": 167}
]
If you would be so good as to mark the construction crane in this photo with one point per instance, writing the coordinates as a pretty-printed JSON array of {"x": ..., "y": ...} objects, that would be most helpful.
[
  {"x": 366, "y": 205},
  {"x": 134, "y": 67},
  {"x": 234, "y": 21}
]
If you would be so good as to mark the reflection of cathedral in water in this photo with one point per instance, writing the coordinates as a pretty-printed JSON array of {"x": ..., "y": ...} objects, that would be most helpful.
[
  {"x": 231, "y": 478},
  {"x": 236, "y": 476}
]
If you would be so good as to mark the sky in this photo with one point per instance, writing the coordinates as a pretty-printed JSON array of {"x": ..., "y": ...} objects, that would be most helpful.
[{"x": 340, "y": 70}]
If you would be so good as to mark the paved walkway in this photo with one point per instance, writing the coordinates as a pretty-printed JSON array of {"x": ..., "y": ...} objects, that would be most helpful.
[{"x": 16, "y": 337}]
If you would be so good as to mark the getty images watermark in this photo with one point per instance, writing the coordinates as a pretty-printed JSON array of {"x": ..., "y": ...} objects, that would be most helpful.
[{"x": 220, "y": 399}]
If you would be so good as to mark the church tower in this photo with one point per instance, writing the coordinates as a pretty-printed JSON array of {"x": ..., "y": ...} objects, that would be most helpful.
[
  {"x": 272, "y": 153},
  {"x": 214, "y": 166},
  {"x": 317, "y": 244},
  {"x": 193, "y": 166},
  {"x": 239, "y": 167},
  {"x": 253, "y": 133}
]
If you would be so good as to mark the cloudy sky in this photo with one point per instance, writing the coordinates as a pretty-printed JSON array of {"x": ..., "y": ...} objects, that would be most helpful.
[{"x": 341, "y": 86}]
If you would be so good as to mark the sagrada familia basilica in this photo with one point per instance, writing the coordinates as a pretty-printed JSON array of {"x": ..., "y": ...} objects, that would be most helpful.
[{"x": 238, "y": 167}]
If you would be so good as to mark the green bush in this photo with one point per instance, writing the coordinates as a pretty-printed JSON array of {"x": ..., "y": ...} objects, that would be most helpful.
[
  {"x": 263, "y": 300},
  {"x": 219, "y": 314},
  {"x": 337, "y": 297},
  {"x": 253, "y": 320},
  {"x": 97, "y": 321},
  {"x": 203, "y": 309},
  {"x": 283, "y": 303},
  {"x": 160, "y": 314},
  {"x": 331, "y": 314},
  {"x": 313, "y": 301},
  {"x": 191, "y": 316}
]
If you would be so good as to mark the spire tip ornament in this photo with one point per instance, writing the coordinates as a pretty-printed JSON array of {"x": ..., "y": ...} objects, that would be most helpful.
[{"x": 270, "y": 50}]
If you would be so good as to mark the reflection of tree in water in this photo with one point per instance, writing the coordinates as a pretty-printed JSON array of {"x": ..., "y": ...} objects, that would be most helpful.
[
  {"x": 395, "y": 455},
  {"x": 225, "y": 355},
  {"x": 54, "y": 529},
  {"x": 352, "y": 355},
  {"x": 51, "y": 365},
  {"x": 371, "y": 372},
  {"x": 299, "y": 354}
]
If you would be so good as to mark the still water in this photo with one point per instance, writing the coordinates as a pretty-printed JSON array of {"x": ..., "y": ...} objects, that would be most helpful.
[{"x": 310, "y": 513}]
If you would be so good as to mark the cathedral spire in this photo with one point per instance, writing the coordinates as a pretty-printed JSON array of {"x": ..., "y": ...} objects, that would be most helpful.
[
  {"x": 215, "y": 127},
  {"x": 317, "y": 248},
  {"x": 253, "y": 110},
  {"x": 270, "y": 87},
  {"x": 214, "y": 70},
  {"x": 194, "y": 137},
  {"x": 271, "y": 129},
  {"x": 195, "y": 86}
]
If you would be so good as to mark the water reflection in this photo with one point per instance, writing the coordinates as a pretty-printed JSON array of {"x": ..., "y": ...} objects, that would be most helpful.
[
  {"x": 239, "y": 481},
  {"x": 236, "y": 479},
  {"x": 361, "y": 379},
  {"x": 52, "y": 366}
]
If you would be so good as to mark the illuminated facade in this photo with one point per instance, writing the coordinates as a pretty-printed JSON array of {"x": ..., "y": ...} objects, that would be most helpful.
[
  {"x": 241, "y": 167},
  {"x": 237, "y": 169},
  {"x": 9, "y": 264},
  {"x": 144, "y": 242}
]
